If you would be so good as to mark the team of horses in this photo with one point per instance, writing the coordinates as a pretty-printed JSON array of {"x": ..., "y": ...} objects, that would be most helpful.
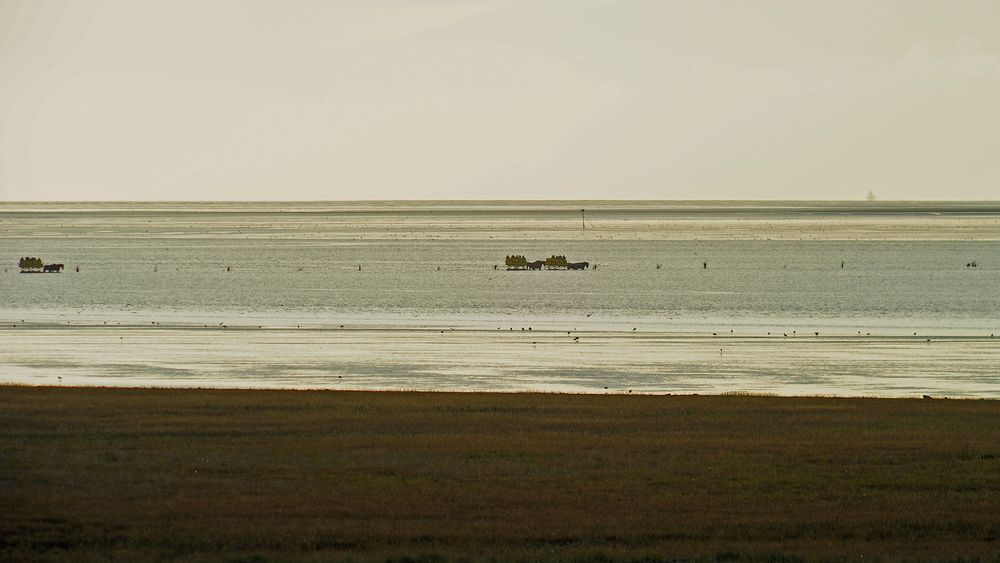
[
  {"x": 540, "y": 264},
  {"x": 33, "y": 264}
]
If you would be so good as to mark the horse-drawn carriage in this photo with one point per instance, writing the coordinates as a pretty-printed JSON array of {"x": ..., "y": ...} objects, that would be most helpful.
[
  {"x": 34, "y": 265},
  {"x": 519, "y": 262}
]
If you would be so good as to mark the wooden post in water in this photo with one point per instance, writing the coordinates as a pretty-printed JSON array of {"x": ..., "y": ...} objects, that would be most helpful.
[{"x": 583, "y": 219}]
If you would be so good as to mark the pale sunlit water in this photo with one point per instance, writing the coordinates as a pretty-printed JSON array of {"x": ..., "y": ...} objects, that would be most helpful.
[{"x": 686, "y": 297}]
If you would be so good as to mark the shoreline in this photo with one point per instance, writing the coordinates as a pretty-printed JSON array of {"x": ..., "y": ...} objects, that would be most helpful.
[{"x": 491, "y": 393}]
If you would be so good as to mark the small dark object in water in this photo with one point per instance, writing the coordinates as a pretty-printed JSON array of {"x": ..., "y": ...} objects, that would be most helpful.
[{"x": 928, "y": 397}]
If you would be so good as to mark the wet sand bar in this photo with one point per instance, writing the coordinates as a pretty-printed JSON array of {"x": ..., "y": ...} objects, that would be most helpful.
[
  {"x": 545, "y": 359},
  {"x": 96, "y": 473}
]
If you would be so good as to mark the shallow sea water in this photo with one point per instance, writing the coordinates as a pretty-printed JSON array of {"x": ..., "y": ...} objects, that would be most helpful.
[{"x": 777, "y": 297}]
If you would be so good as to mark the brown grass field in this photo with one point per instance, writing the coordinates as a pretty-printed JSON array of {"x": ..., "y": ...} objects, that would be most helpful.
[{"x": 222, "y": 475}]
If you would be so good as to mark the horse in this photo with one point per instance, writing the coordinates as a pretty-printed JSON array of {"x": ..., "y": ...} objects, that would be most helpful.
[
  {"x": 578, "y": 265},
  {"x": 52, "y": 267}
]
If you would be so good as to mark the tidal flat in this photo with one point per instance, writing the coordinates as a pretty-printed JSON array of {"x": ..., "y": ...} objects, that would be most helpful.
[
  {"x": 267, "y": 475},
  {"x": 790, "y": 298}
]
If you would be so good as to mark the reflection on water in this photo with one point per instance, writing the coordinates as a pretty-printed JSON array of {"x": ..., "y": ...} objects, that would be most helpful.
[
  {"x": 686, "y": 297},
  {"x": 504, "y": 360}
]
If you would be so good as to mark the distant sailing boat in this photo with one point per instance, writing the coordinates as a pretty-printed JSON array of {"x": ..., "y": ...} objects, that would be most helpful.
[{"x": 871, "y": 196}]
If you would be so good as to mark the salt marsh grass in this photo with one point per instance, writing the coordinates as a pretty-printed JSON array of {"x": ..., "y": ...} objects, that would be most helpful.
[{"x": 151, "y": 474}]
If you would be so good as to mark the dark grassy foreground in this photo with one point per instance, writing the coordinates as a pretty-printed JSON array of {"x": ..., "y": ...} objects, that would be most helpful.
[{"x": 95, "y": 474}]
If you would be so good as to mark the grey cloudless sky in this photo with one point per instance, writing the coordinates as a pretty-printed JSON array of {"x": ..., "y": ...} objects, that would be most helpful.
[{"x": 499, "y": 99}]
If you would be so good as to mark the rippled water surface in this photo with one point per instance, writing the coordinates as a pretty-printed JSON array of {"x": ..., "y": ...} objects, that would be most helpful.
[{"x": 727, "y": 297}]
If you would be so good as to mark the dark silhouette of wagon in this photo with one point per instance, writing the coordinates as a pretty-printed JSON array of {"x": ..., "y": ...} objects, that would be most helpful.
[
  {"x": 35, "y": 265},
  {"x": 519, "y": 262}
]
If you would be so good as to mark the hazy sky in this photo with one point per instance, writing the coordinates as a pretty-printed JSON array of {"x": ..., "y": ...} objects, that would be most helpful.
[{"x": 505, "y": 99}]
